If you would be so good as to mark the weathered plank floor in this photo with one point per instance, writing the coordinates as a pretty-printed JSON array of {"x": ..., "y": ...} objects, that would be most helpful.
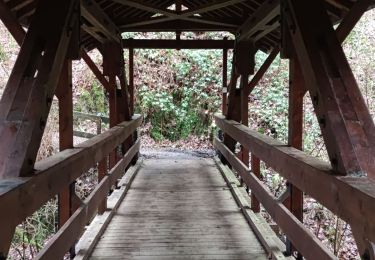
[{"x": 178, "y": 209}]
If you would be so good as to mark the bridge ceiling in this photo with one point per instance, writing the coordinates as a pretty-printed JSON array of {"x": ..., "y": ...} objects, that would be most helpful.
[{"x": 183, "y": 15}]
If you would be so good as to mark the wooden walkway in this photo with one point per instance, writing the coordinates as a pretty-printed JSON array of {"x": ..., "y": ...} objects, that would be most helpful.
[{"x": 178, "y": 208}]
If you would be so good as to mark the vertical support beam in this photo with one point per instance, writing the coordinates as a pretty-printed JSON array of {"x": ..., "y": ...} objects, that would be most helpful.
[
  {"x": 65, "y": 96},
  {"x": 245, "y": 63},
  {"x": 255, "y": 168},
  {"x": 111, "y": 68},
  {"x": 244, "y": 113},
  {"x": 112, "y": 114},
  {"x": 225, "y": 81},
  {"x": 295, "y": 138},
  {"x": 102, "y": 172},
  {"x": 131, "y": 80}
]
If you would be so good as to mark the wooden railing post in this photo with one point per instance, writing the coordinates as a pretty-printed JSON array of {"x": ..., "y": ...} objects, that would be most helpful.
[
  {"x": 65, "y": 97},
  {"x": 131, "y": 80},
  {"x": 255, "y": 168},
  {"x": 225, "y": 81},
  {"x": 295, "y": 138}
]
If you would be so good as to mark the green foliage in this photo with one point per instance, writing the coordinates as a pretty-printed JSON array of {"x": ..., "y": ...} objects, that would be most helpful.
[
  {"x": 180, "y": 104},
  {"x": 269, "y": 101},
  {"x": 3, "y": 55},
  {"x": 92, "y": 100},
  {"x": 30, "y": 236}
]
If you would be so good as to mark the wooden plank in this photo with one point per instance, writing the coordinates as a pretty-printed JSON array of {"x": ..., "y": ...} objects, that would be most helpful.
[
  {"x": 177, "y": 44},
  {"x": 170, "y": 212},
  {"x": 344, "y": 196},
  {"x": 301, "y": 237},
  {"x": 97, "y": 227}
]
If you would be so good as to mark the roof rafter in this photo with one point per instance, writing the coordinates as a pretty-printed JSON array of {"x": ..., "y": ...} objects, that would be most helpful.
[
  {"x": 259, "y": 19},
  {"x": 185, "y": 15},
  {"x": 99, "y": 20}
]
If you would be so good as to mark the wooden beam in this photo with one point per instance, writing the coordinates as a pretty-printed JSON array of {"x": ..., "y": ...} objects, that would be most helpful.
[
  {"x": 345, "y": 121},
  {"x": 262, "y": 70},
  {"x": 269, "y": 10},
  {"x": 305, "y": 241},
  {"x": 225, "y": 82},
  {"x": 164, "y": 26},
  {"x": 255, "y": 169},
  {"x": 11, "y": 22},
  {"x": 131, "y": 80},
  {"x": 92, "y": 12},
  {"x": 208, "y": 7},
  {"x": 26, "y": 101},
  {"x": 297, "y": 91},
  {"x": 65, "y": 203},
  {"x": 170, "y": 15},
  {"x": 177, "y": 44},
  {"x": 351, "y": 19},
  {"x": 98, "y": 74},
  {"x": 351, "y": 198}
]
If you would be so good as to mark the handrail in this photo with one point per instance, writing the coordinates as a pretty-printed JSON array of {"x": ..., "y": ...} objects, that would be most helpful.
[
  {"x": 352, "y": 198},
  {"x": 301, "y": 237},
  {"x": 73, "y": 228},
  {"x": 20, "y": 197}
]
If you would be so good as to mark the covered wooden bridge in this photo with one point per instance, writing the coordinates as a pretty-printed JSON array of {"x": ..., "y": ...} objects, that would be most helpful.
[{"x": 185, "y": 208}]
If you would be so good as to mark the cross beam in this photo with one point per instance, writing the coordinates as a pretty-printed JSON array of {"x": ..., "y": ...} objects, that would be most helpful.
[
  {"x": 185, "y": 15},
  {"x": 177, "y": 44}
]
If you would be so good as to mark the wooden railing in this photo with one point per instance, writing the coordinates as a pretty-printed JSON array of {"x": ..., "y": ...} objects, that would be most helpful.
[
  {"x": 20, "y": 197},
  {"x": 352, "y": 198},
  {"x": 98, "y": 120}
]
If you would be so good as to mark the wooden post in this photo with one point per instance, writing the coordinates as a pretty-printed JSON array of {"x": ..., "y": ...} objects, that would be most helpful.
[
  {"x": 225, "y": 81},
  {"x": 64, "y": 94},
  {"x": 255, "y": 168},
  {"x": 131, "y": 80},
  {"x": 111, "y": 68},
  {"x": 295, "y": 137}
]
